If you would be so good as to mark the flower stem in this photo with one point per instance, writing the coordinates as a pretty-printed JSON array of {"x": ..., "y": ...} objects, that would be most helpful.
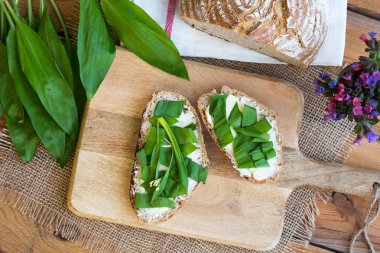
[
  {"x": 63, "y": 25},
  {"x": 30, "y": 12}
]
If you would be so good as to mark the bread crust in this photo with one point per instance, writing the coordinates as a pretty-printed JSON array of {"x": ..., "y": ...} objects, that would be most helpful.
[
  {"x": 203, "y": 102},
  {"x": 292, "y": 31},
  {"x": 147, "y": 114}
]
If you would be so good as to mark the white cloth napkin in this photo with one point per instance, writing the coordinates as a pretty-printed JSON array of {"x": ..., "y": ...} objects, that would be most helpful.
[{"x": 194, "y": 43}]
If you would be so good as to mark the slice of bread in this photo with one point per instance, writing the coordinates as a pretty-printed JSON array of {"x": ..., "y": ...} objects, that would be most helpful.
[
  {"x": 261, "y": 175},
  {"x": 158, "y": 215},
  {"x": 291, "y": 31}
]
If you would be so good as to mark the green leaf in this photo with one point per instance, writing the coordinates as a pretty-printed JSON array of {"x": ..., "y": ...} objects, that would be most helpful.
[
  {"x": 145, "y": 201},
  {"x": 252, "y": 132},
  {"x": 23, "y": 138},
  {"x": 143, "y": 36},
  {"x": 218, "y": 105},
  {"x": 271, "y": 153},
  {"x": 41, "y": 71},
  {"x": 242, "y": 151},
  {"x": 171, "y": 121},
  {"x": 49, "y": 34},
  {"x": 257, "y": 155},
  {"x": 196, "y": 171},
  {"x": 177, "y": 153},
  {"x": 170, "y": 109},
  {"x": 184, "y": 135},
  {"x": 96, "y": 49},
  {"x": 152, "y": 138},
  {"x": 192, "y": 126},
  {"x": 8, "y": 96},
  {"x": 263, "y": 126},
  {"x": 236, "y": 117},
  {"x": 187, "y": 149},
  {"x": 223, "y": 132},
  {"x": 261, "y": 163},
  {"x": 160, "y": 188},
  {"x": 249, "y": 116},
  {"x": 51, "y": 135},
  {"x": 1, "y": 110},
  {"x": 267, "y": 146}
]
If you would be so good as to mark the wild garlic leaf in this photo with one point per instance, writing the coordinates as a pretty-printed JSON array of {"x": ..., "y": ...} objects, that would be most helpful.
[
  {"x": 161, "y": 187},
  {"x": 1, "y": 110},
  {"x": 196, "y": 171},
  {"x": 223, "y": 131},
  {"x": 262, "y": 126},
  {"x": 48, "y": 33},
  {"x": 249, "y": 116},
  {"x": 145, "y": 201},
  {"x": 187, "y": 149},
  {"x": 242, "y": 151},
  {"x": 96, "y": 49},
  {"x": 152, "y": 138},
  {"x": 23, "y": 137},
  {"x": 143, "y": 36},
  {"x": 235, "y": 118},
  {"x": 41, "y": 71},
  {"x": 261, "y": 163},
  {"x": 177, "y": 153},
  {"x": 252, "y": 132},
  {"x": 51, "y": 135},
  {"x": 8, "y": 96},
  {"x": 184, "y": 135},
  {"x": 3, "y": 26},
  {"x": 169, "y": 109},
  {"x": 218, "y": 105}
]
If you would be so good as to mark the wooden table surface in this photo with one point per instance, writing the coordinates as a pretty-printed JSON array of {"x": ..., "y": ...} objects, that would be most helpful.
[{"x": 339, "y": 217}]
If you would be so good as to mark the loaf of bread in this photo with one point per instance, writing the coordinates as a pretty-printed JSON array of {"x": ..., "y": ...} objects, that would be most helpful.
[{"x": 291, "y": 31}]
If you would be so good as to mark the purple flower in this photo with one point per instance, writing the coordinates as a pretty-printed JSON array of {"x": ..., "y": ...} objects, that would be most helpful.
[
  {"x": 376, "y": 74},
  {"x": 372, "y": 35},
  {"x": 364, "y": 76},
  {"x": 356, "y": 102},
  {"x": 367, "y": 108},
  {"x": 327, "y": 118},
  {"x": 315, "y": 81},
  {"x": 319, "y": 90},
  {"x": 363, "y": 38},
  {"x": 371, "y": 81},
  {"x": 373, "y": 103},
  {"x": 357, "y": 110},
  {"x": 358, "y": 141},
  {"x": 332, "y": 84},
  {"x": 325, "y": 76},
  {"x": 375, "y": 113},
  {"x": 368, "y": 116},
  {"x": 347, "y": 76},
  {"x": 372, "y": 137},
  {"x": 355, "y": 66}
]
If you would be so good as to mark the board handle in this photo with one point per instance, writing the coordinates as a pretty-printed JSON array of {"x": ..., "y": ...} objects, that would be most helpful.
[{"x": 301, "y": 171}]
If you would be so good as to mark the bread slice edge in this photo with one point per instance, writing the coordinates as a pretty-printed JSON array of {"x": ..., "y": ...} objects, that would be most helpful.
[
  {"x": 143, "y": 133},
  {"x": 203, "y": 103}
]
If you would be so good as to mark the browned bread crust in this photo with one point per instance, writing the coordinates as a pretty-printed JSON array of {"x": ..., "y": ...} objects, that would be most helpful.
[
  {"x": 143, "y": 134},
  {"x": 204, "y": 101},
  {"x": 292, "y": 31}
]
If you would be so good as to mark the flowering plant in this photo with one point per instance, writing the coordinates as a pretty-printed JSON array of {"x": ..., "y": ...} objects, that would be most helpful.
[{"x": 355, "y": 94}]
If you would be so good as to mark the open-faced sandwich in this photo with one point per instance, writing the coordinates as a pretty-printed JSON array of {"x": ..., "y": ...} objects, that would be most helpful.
[
  {"x": 171, "y": 158},
  {"x": 246, "y": 131},
  {"x": 292, "y": 31}
]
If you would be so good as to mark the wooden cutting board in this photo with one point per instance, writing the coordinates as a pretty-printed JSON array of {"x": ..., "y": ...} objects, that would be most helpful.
[{"x": 227, "y": 209}]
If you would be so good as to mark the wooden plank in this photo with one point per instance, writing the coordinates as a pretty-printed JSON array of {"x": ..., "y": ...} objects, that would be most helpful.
[
  {"x": 370, "y": 8},
  {"x": 340, "y": 217},
  {"x": 18, "y": 233}
]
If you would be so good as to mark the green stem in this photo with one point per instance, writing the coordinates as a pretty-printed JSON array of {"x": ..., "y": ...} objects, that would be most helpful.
[
  {"x": 30, "y": 12},
  {"x": 177, "y": 152},
  {"x": 63, "y": 25},
  {"x": 42, "y": 7},
  {"x": 11, "y": 23}
]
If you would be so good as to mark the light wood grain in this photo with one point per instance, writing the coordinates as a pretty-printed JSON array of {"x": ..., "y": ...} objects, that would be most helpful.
[
  {"x": 370, "y": 8},
  {"x": 106, "y": 154},
  {"x": 19, "y": 233}
]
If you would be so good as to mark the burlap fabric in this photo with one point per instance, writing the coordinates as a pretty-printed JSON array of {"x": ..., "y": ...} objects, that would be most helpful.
[{"x": 39, "y": 189}]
